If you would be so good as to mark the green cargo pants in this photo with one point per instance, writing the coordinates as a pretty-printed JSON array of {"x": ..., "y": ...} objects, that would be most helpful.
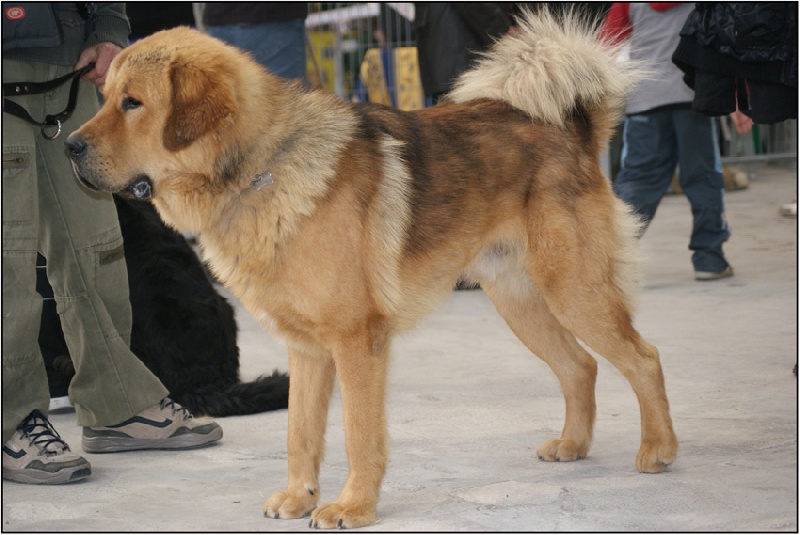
[{"x": 46, "y": 209}]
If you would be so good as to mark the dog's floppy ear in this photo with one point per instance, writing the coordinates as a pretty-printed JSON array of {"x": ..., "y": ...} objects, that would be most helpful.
[{"x": 201, "y": 100}]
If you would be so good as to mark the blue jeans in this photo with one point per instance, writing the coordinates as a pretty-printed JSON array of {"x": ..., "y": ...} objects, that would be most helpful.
[
  {"x": 654, "y": 142},
  {"x": 279, "y": 46}
]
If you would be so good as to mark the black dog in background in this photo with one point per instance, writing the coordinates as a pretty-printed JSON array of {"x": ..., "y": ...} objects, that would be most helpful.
[{"x": 183, "y": 330}]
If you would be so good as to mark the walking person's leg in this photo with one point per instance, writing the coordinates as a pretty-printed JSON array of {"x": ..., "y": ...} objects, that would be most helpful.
[
  {"x": 649, "y": 157},
  {"x": 701, "y": 181},
  {"x": 81, "y": 239},
  {"x": 24, "y": 377},
  {"x": 119, "y": 401}
]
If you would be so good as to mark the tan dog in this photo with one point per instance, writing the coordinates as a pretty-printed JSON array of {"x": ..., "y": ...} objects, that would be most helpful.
[{"x": 339, "y": 225}]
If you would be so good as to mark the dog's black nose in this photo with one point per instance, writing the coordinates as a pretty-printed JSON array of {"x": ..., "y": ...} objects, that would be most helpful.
[{"x": 76, "y": 145}]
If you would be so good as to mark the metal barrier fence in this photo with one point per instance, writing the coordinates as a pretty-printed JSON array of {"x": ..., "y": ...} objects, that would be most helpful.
[
  {"x": 364, "y": 51},
  {"x": 765, "y": 143}
]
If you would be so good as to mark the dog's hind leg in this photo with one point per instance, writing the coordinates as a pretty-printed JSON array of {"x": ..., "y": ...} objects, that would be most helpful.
[
  {"x": 311, "y": 384},
  {"x": 520, "y": 304},
  {"x": 574, "y": 260}
]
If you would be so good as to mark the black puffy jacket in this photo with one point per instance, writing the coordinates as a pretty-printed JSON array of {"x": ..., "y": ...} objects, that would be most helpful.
[
  {"x": 451, "y": 35},
  {"x": 756, "y": 40},
  {"x": 741, "y": 55}
]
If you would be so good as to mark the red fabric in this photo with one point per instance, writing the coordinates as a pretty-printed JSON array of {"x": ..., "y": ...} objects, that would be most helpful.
[{"x": 617, "y": 26}]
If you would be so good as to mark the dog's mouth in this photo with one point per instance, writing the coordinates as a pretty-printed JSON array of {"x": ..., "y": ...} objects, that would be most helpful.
[
  {"x": 141, "y": 188},
  {"x": 86, "y": 183},
  {"x": 76, "y": 169}
]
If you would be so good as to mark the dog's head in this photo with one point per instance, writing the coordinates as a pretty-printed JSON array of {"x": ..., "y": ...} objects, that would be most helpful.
[{"x": 171, "y": 104}]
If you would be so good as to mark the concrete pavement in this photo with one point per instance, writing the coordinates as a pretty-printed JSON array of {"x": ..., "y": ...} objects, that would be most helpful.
[{"x": 468, "y": 406}]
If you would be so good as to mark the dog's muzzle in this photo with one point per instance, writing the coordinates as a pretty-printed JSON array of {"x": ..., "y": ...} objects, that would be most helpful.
[
  {"x": 82, "y": 180},
  {"x": 77, "y": 147}
]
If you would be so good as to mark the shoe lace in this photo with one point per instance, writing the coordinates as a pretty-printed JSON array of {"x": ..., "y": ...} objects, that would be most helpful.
[
  {"x": 38, "y": 430},
  {"x": 176, "y": 407}
]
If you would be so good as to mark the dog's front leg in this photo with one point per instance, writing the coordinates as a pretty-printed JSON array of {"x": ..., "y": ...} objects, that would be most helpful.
[
  {"x": 310, "y": 387},
  {"x": 361, "y": 365}
]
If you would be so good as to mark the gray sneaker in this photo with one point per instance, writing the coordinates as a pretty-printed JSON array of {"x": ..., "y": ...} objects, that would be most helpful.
[
  {"x": 713, "y": 275},
  {"x": 37, "y": 454},
  {"x": 166, "y": 426}
]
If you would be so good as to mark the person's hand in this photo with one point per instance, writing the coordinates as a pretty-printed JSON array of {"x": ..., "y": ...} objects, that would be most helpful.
[
  {"x": 101, "y": 54},
  {"x": 741, "y": 122}
]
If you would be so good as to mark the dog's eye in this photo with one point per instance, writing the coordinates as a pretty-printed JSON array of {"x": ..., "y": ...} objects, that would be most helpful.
[{"x": 130, "y": 103}]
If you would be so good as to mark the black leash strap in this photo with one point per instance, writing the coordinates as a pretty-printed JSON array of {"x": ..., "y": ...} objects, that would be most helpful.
[{"x": 36, "y": 88}]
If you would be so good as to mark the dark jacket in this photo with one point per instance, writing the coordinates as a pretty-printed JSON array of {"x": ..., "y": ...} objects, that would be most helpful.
[
  {"x": 221, "y": 13},
  {"x": 450, "y": 36},
  {"x": 57, "y": 32},
  {"x": 746, "y": 49},
  {"x": 147, "y": 18}
]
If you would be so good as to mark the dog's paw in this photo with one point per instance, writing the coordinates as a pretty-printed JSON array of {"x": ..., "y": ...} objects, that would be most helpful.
[
  {"x": 656, "y": 457},
  {"x": 335, "y": 515},
  {"x": 561, "y": 450},
  {"x": 288, "y": 504}
]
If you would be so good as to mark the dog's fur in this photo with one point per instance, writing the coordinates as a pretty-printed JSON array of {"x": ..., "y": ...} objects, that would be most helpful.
[
  {"x": 183, "y": 330},
  {"x": 374, "y": 213}
]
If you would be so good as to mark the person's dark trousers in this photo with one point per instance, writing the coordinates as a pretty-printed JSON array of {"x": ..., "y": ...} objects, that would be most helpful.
[{"x": 654, "y": 143}]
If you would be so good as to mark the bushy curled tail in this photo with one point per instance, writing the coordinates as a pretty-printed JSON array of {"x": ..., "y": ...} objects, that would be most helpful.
[{"x": 550, "y": 68}]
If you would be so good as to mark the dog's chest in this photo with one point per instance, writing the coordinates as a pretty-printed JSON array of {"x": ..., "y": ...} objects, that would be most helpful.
[{"x": 296, "y": 330}]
